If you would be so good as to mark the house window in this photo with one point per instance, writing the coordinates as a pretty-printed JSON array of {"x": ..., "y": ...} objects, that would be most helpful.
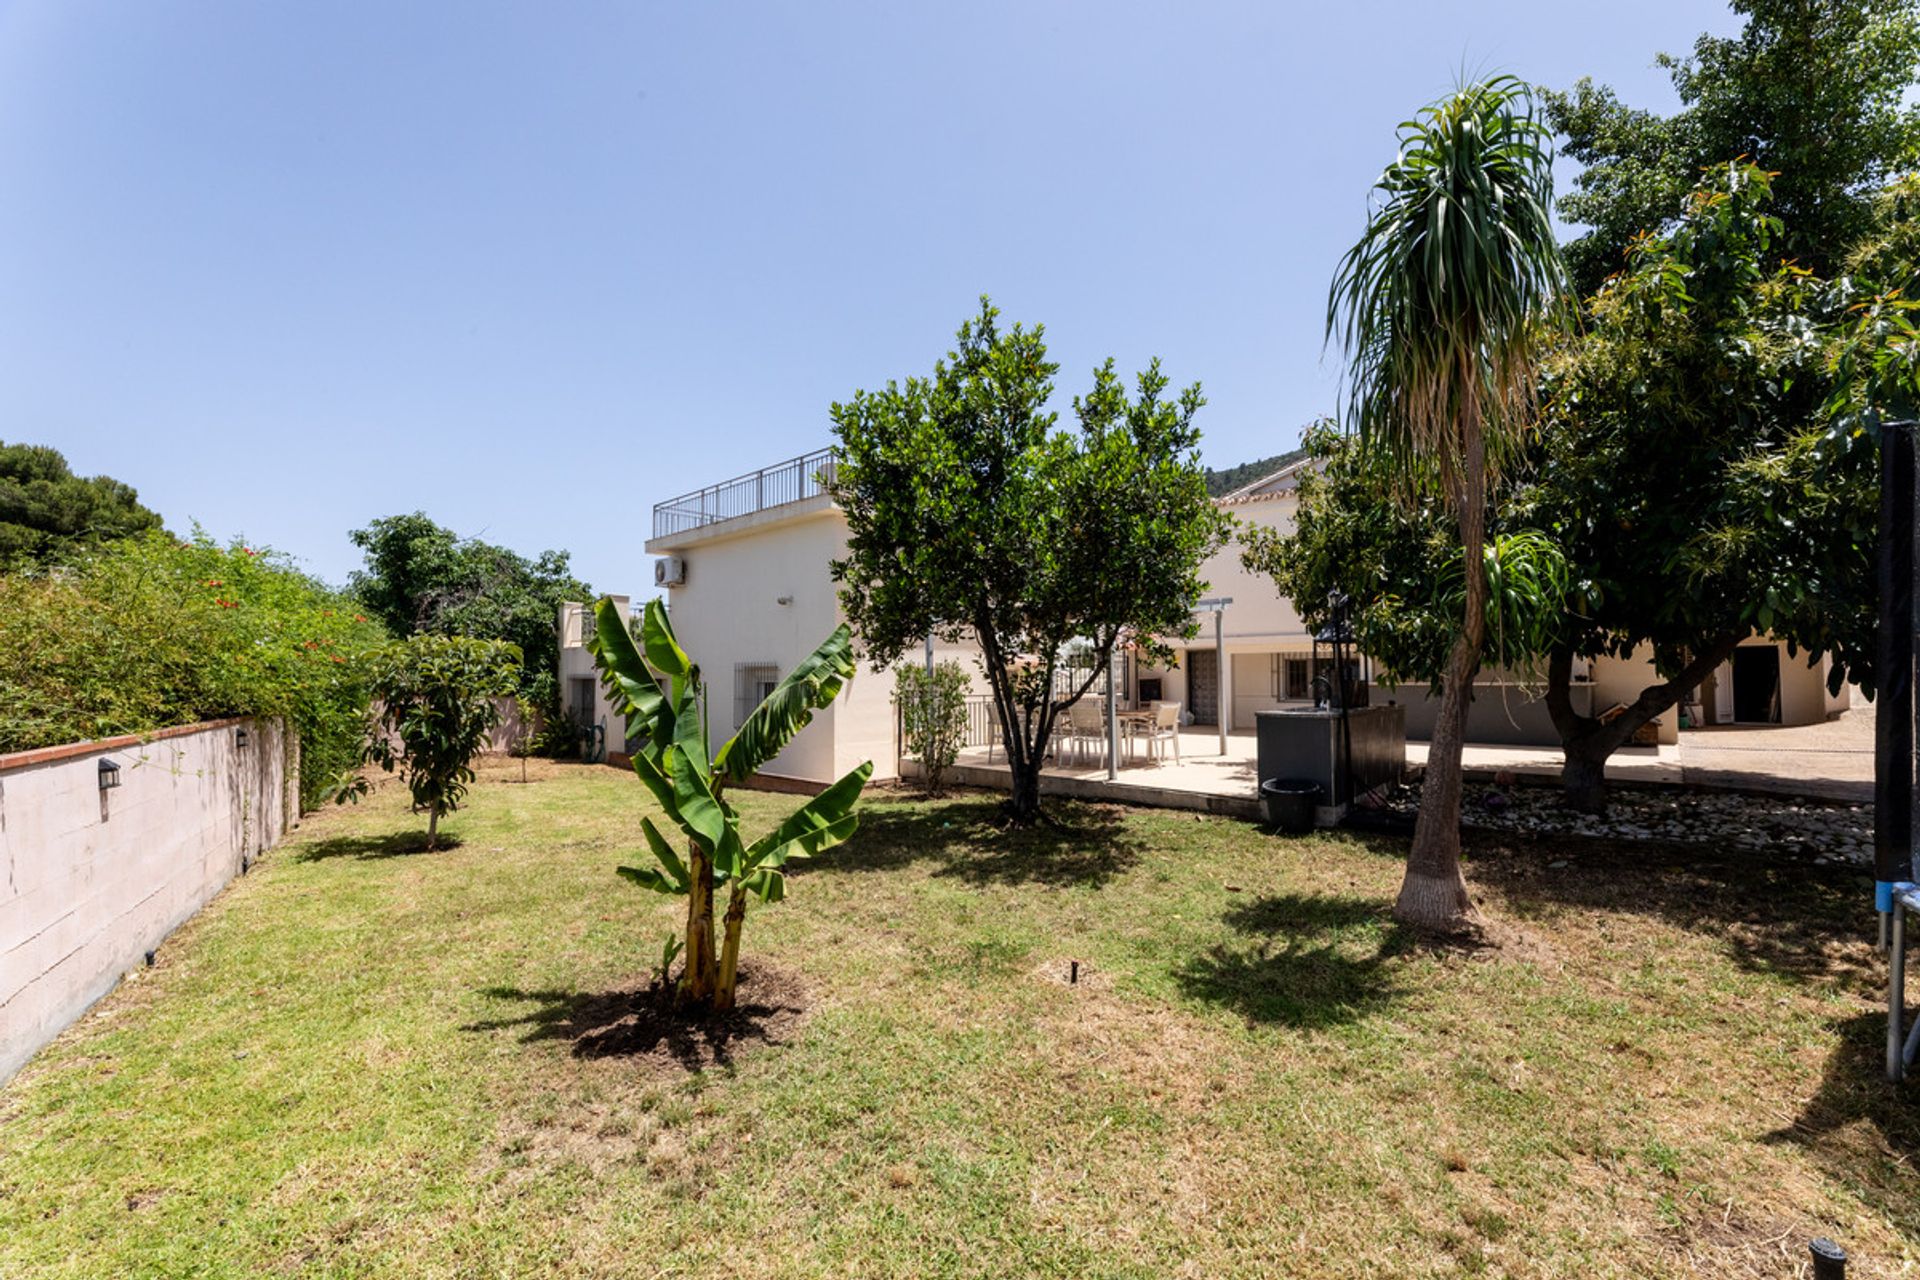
[
  {"x": 1299, "y": 678},
  {"x": 752, "y": 682},
  {"x": 580, "y": 701}
]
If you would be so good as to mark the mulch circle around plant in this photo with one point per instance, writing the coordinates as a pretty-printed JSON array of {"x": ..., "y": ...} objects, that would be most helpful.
[{"x": 645, "y": 1025}]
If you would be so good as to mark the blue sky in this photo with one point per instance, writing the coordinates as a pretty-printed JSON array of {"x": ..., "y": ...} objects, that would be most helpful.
[{"x": 532, "y": 268}]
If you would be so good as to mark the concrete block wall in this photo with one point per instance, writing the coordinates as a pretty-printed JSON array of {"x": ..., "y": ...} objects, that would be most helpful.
[{"x": 90, "y": 880}]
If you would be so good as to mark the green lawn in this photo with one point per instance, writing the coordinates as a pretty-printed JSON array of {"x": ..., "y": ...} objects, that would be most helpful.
[{"x": 366, "y": 1062}]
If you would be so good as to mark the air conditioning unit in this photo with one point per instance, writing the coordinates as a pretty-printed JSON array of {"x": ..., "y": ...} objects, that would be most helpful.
[{"x": 669, "y": 571}]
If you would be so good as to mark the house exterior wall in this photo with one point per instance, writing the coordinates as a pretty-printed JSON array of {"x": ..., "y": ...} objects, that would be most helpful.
[
  {"x": 95, "y": 879},
  {"x": 576, "y": 663},
  {"x": 1803, "y": 688},
  {"x": 1257, "y": 625},
  {"x": 729, "y": 616},
  {"x": 1620, "y": 680}
]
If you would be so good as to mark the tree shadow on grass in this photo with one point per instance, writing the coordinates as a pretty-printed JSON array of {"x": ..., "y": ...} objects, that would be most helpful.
[
  {"x": 971, "y": 840},
  {"x": 395, "y": 844},
  {"x": 1309, "y": 961},
  {"x": 644, "y": 1023},
  {"x": 1861, "y": 1128},
  {"x": 1772, "y": 914}
]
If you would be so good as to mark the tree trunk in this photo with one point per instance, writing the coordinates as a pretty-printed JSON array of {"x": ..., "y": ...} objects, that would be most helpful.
[
  {"x": 1024, "y": 805},
  {"x": 730, "y": 948},
  {"x": 1434, "y": 895},
  {"x": 433, "y": 827},
  {"x": 1587, "y": 744},
  {"x": 698, "y": 980},
  {"x": 1583, "y": 777}
]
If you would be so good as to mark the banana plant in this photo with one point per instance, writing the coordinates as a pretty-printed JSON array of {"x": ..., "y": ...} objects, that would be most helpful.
[{"x": 658, "y": 688}]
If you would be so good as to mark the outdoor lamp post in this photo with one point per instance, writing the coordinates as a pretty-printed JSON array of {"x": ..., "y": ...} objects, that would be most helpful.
[{"x": 1337, "y": 636}]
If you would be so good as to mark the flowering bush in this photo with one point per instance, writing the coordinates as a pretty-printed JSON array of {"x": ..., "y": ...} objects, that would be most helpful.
[{"x": 152, "y": 631}]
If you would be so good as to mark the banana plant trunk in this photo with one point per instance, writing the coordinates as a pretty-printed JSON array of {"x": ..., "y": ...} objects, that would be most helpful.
[
  {"x": 730, "y": 948},
  {"x": 700, "y": 978}
]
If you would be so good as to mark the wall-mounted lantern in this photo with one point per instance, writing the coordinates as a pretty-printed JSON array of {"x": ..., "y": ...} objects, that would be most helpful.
[
  {"x": 240, "y": 737},
  {"x": 109, "y": 775}
]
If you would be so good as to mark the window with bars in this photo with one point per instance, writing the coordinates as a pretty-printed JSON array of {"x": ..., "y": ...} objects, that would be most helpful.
[
  {"x": 752, "y": 682},
  {"x": 1299, "y": 678}
]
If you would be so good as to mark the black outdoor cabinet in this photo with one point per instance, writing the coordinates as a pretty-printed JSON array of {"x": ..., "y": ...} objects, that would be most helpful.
[{"x": 1307, "y": 744}]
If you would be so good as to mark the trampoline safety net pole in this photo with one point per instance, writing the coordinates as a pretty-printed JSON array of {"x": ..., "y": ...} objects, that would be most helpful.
[{"x": 1893, "y": 780}]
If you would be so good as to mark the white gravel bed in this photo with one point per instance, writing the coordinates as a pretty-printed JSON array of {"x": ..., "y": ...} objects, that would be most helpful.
[{"x": 1825, "y": 832}]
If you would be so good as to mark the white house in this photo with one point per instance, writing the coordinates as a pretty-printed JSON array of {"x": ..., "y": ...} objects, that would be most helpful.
[
  {"x": 581, "y": 692},
  {"x": 744, "y": 565},
  {"x": 745, "y": 568}
]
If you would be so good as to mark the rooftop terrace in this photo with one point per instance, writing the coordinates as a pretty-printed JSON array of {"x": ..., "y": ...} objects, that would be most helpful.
[{"x": 796, "y": 479}]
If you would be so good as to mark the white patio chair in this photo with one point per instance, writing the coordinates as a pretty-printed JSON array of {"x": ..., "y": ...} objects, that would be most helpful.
[
  {"x": 1164, "y": 729},
  {"x": 1087, "y": 725}
]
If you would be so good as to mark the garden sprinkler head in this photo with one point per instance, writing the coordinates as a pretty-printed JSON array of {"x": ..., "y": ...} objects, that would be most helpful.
[{"x": 1829, "y": 1260}]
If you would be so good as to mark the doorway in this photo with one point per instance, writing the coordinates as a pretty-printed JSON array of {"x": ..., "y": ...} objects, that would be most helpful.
[
  {"x": 1756, "y": 684},
  {"x": 1203, "y": 685}
]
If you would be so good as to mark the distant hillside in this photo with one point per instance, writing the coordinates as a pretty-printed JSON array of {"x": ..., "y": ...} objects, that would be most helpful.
[{"x": 1224, "y": 482}]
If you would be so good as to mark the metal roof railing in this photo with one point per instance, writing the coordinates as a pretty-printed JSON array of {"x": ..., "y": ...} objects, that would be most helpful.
[{"x": 807, "y": 476}]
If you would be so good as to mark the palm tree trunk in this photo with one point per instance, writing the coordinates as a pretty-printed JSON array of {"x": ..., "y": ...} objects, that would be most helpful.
[
  {"x": 730, "y": 948},
  {"x": 1434, "y": 894}
]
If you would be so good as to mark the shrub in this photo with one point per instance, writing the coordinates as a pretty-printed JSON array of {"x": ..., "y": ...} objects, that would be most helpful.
[
  {"x": 150, "y": 631},
  {"x": 933, "y": 716},
  {"x": 438, "y": 708}
]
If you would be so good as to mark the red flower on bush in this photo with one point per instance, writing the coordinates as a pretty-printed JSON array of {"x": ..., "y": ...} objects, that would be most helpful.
[
  {"x": 359, "y": 617},
  {"x": 216, "y": 582}
]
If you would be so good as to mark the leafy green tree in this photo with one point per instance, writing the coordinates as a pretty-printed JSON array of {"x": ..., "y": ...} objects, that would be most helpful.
[
  {"x": 969, "y": 515},
  {"x": 1688, "y": 466},
  {"x": 421, "y": 577},
  {"x": 657, "y": 687},
  {"x": 48, "y": 514},
  {"x": 1398, "y": 561},
  {"x": 1441, "y": 308},
  {"x": 933, "y": 716},
  {"x": 438, "y": 707},
  {"x": 1818, "y": 91}
]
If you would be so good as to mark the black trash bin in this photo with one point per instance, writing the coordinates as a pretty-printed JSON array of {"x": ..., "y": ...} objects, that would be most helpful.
[{"x": 1290, "y": 803}]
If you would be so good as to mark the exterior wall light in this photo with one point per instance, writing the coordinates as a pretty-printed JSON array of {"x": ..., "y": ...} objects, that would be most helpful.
[
  {"x": 109, "y": 775},
  {"x": 240, "y": 737}
]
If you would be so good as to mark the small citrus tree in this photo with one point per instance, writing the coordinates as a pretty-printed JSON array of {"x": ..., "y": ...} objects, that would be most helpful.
[
  {"x": 658, "y": 688},
  {"x": 437, "y": 708},
  {"x": 933, "y": 716}
]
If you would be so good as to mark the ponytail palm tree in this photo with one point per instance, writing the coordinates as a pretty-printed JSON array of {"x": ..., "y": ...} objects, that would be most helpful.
[{"x": 1441, "y": 309}]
